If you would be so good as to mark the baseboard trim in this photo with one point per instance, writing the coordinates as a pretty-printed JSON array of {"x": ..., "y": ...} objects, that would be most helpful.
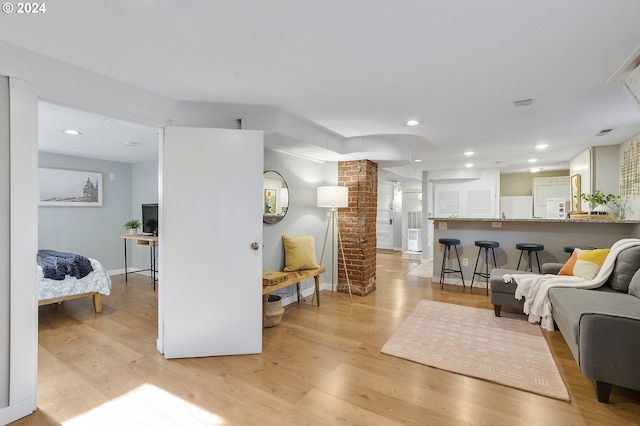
[{"x": 129, "y": 271}]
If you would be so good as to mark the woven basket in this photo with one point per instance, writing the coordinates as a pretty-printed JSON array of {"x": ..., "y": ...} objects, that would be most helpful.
[{"x": 274, "y": 311}]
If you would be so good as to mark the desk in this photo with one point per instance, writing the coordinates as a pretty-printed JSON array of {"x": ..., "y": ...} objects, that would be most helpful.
[
  {"x": 285, "y": 279},
  {"x": 142, "y": 240}
]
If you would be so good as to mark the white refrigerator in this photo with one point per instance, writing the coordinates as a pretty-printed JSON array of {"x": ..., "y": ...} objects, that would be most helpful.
[{"x": 516, "y": 207}]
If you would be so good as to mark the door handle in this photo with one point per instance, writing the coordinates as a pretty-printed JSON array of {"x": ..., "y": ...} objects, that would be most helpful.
[{"x": 255, "y": 246}]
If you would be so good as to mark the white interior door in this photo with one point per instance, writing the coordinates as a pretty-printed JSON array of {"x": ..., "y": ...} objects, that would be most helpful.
[
  {"x": 384, "y": 217},
  {"x": 210, "y": 288},
  {"x": 19, "y": 326}
]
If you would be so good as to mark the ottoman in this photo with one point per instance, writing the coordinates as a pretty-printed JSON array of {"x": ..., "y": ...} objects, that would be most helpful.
[{"x": 503, "y": 294}]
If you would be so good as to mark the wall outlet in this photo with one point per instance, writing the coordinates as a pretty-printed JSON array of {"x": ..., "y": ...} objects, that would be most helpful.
[
  {"x": 496, "y": 224},
  {"x": 465, "y": 261},
  {"x": 442, "y": 225}
]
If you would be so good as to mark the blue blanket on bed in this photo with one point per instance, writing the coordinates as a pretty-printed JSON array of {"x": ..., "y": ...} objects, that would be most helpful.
[{"x": 57, "y": 265}]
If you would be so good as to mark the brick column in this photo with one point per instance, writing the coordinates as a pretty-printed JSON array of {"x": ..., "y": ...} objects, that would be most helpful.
[{"x": 358, "y": 226}]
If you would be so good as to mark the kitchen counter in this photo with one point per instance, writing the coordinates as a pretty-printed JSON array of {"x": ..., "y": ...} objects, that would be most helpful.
[
  {"x": 533, "y": 220},
  {"x": 554, "y": 234}
]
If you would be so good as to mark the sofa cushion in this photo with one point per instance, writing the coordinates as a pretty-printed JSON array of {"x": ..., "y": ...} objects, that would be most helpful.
[
  {"x": 503, "y": 294},
  {"x": 568, "y": 305},
  {"x": 589, "y": 263},
  {"x": 551, "y": 268},
  {"x": 634, "y": 284},
  {"x": 497, "y": 283},
  {"x": 627, "y": 263}
]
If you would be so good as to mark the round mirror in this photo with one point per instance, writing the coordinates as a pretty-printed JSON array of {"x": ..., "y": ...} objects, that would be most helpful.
[{"x": 275, "y": 201}]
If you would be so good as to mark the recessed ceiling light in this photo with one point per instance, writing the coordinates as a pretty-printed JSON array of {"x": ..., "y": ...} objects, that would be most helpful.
[
  {"x": 130, "y": 144},
  {"x": 542, "y": 146},
  {"x": 469, "y": 165},
  {"x": 535, "y": 169},
  {"x": 411, "y": 123},
  {"x": 532, "y": 160},
  {"x": 71, "y": 132},
  {"x": 469, "y": 153},
  {"x": 417, "y": 161}
]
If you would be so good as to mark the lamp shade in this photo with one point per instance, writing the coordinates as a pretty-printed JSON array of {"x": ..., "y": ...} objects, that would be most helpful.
[{"x": 333, "y": 196}]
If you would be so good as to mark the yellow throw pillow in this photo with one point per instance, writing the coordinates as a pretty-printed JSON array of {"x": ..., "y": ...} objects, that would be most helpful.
[
  {"x": 299, "y": 253},
  {"x": 589, "y": 263},
  {"x": 567, "y": 269}
]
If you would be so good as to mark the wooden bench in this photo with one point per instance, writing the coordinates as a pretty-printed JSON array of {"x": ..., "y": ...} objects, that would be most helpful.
[{"x": 276, "y": 280}]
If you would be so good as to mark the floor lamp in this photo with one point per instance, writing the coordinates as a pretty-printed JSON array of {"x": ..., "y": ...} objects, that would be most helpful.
[{"x": 334, "y": 197}]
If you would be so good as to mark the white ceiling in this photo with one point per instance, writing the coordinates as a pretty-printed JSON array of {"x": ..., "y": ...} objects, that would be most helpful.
[
  {"x": 101, "y": 137},
  {"x": 364, "y": 67}
]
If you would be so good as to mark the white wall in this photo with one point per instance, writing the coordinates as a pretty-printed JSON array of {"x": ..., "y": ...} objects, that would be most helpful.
[
  {"x": 303, "y": 216},
  {"x": 606, "y": 166},
  {"x": 91, "y": 231},
  {"x": 144, "y": 190},
  {"x": 95, "y": 231},
  {"x": 581, "y": 165}
]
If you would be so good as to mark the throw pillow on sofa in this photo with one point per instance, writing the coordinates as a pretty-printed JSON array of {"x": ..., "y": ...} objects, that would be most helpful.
[
  {"x": 589, "y": 263},
  {"x": 299, "y": 253},
  {"x": 567, "y": 269}
]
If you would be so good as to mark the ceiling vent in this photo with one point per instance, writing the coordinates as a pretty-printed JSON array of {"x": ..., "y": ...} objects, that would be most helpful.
[
  {"x": 523, "y": 102},
  {"x": 603, "y": 132}
]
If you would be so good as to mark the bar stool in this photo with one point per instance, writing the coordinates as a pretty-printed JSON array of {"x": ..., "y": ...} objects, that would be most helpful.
[
  {"x": 448, "y": 243},
  {"x": 570, "y": 249},
  {"x": 486, "y": 245},
  {"x": 529, "y": 247}
]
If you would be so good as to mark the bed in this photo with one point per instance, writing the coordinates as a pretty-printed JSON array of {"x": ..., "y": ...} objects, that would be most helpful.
[{"x": 65, "y": 276}]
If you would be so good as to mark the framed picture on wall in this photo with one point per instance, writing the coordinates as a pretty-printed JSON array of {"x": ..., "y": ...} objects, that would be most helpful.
[
  {"x": 576, "y": 204},
  {"x": 270, "y": 198},
  {"x": 69, "y": 188}
]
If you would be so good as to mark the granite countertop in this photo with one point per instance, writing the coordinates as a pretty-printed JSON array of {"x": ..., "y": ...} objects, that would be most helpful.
[{"x": 498, "y": 219}]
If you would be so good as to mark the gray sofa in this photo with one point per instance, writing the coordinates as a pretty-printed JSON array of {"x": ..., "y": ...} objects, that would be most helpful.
[{"x": 601, "y": 326}]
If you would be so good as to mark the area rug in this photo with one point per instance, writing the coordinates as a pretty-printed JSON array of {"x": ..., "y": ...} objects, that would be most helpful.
[
  {"x": 424, "y": 270},
  {"x": 474, "y": 342}
]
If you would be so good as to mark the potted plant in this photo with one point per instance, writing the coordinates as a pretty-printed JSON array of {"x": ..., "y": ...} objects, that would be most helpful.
[
  {"x": 598, "y": 202},
  {"x": 133, "y": 226}
]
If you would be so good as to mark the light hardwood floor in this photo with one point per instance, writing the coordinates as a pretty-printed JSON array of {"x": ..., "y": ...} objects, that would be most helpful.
[{"x": 321, "y": 365}]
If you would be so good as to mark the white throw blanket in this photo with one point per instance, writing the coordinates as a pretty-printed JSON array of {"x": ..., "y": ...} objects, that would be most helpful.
[{"x": 535, "y": 288}]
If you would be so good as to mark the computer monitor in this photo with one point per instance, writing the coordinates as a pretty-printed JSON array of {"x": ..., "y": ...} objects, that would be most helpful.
[{"x": 150, "y": 219}]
